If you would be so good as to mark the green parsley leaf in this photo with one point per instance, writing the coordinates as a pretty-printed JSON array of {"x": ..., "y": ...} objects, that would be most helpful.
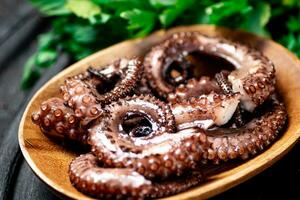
[
  {"x": 100, "y": 23},
  {"x": 83, "y": 8},
  {"x": 225, "y": 9},
  {"x": 168, "y": 16},
  {"x": 258, "y": 18},
  {"x": 162, "y": 3},
  {"x": 140, "y": 22},
  {"x": 45, "y": 58},
  {"x": 291, "y": 3},
  {"x": 122, "y": 5},
  {"x": 52, "y": 7},
  {"x": 30, "y": 73},
  {"x": 293, "y": 23}
]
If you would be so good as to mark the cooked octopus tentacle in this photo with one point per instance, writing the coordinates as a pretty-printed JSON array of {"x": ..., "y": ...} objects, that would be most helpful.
[
  {"x": 107, "y": 183},
  {"x": 256, "y": 135},
  {"x": 194, "y": 88},
  {"x": 204, "y": 111},
  {"x": 78, "y": 96},
  {"x": 254, "y": 76},
  {"x": 117, "y": 183},
  {"x": 55, "y": 119},
  {"x": 150, "y": 146},
  {"x": 86, "y": 93}
]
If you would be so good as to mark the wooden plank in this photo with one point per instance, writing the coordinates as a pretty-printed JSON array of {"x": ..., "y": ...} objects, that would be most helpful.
[
  {"x": 9, "y": 144},
  {"x": 18, "y": 24},
  {"x": 12, "y": 14},
  {"x": 35, "y": 190},
  {"x": 12, "y": 96},
  {"x": 18, "y": 31}
]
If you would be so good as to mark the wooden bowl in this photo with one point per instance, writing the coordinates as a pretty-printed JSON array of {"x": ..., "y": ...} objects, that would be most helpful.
[{"x": 50, "y": 161}]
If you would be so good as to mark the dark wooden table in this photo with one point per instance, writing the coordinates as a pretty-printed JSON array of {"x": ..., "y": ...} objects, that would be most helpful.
[{"x": 20, "y": 25}]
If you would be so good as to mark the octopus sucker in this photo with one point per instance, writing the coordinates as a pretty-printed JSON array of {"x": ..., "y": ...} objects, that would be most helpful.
[
  {"x": 254, "y": 136},
  {"x": 106, "y": 183},
  {"x": 55, "y": 119},
  {"x": 205, "y": 111},
  {"x": 86, "y": 93},
  {"x": 194, "y": 88},
  {"x": 176, "y": 185},
  {"x": 119, "y": 183},
  {"x": 253, "y": 78},
  {"x": 77, "y": 93},
  {"x": 130, "y": 74},
  {"x": 152, "y": 148}
]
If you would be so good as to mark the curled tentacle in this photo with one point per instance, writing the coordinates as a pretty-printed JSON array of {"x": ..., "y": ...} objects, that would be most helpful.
[
  {"x": 130, "y": 74},
  {"x": 86, "y": 93},
  {"x": 231, "y": 143},
  {"x": 254, "y": 76},
  {"x": 55, "y": 119},
  {"x": 138, "y": 133},
  {"x": 205, "y": 111},
  {"x": 118, "y": 183},
  {"x": 194, "y": 88},
  {"x": 255, "y": 80},
  {"x": 106, "y": 183},
  {"x": 78, "y": 96},
  {"x": 176, "y": 185}
]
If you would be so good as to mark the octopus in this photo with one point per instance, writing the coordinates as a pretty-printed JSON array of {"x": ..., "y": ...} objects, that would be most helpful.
[
  {"x": 139, "y": 133},
  {"x": 141, "y": 155},
  {"x": 87, "y": 93},
  {"x": 151, "y": 151},
  {"x": 83, "y": 97},
  {"x": 152, "y": 127},
  {"x": 167, "y": 65}
]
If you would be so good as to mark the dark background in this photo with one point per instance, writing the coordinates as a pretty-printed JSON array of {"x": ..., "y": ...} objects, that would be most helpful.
[{"x": 20, "y": 25}]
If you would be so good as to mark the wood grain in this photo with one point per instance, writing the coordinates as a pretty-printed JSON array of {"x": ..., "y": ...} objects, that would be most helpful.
[{"x": 50, "y": 161}]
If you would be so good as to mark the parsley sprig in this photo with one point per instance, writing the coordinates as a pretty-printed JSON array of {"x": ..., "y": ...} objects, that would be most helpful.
[{"x": 81, "y": 27}]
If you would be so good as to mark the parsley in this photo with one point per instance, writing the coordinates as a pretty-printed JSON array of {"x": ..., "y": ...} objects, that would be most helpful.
[{"x": 81, "y": 27}]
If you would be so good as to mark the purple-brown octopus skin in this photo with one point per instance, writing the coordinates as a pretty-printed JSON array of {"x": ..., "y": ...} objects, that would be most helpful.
[
  {"x": 254, "y": 76},
  {"x": 55, "y": 119},
  {"x": 116, "y": 179},
  {"x": 204, "y": 111},
  {"x": 78, "y": 96},
  {"x": 194, "y": 88},
  {"x": 254, "y": 136},
  {"x": 120, "y": 183},
  {"x": 106, "y": 183},
  {"x": 158, "y": 152},
  {"x": 81, "y": 91}
]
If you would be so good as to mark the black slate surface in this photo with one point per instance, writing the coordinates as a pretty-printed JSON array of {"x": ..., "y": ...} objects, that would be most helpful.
[{"x": 19, "y": 26}]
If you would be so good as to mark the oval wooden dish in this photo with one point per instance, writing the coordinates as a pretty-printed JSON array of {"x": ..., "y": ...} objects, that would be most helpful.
[{"x": 50, "y": 161}]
